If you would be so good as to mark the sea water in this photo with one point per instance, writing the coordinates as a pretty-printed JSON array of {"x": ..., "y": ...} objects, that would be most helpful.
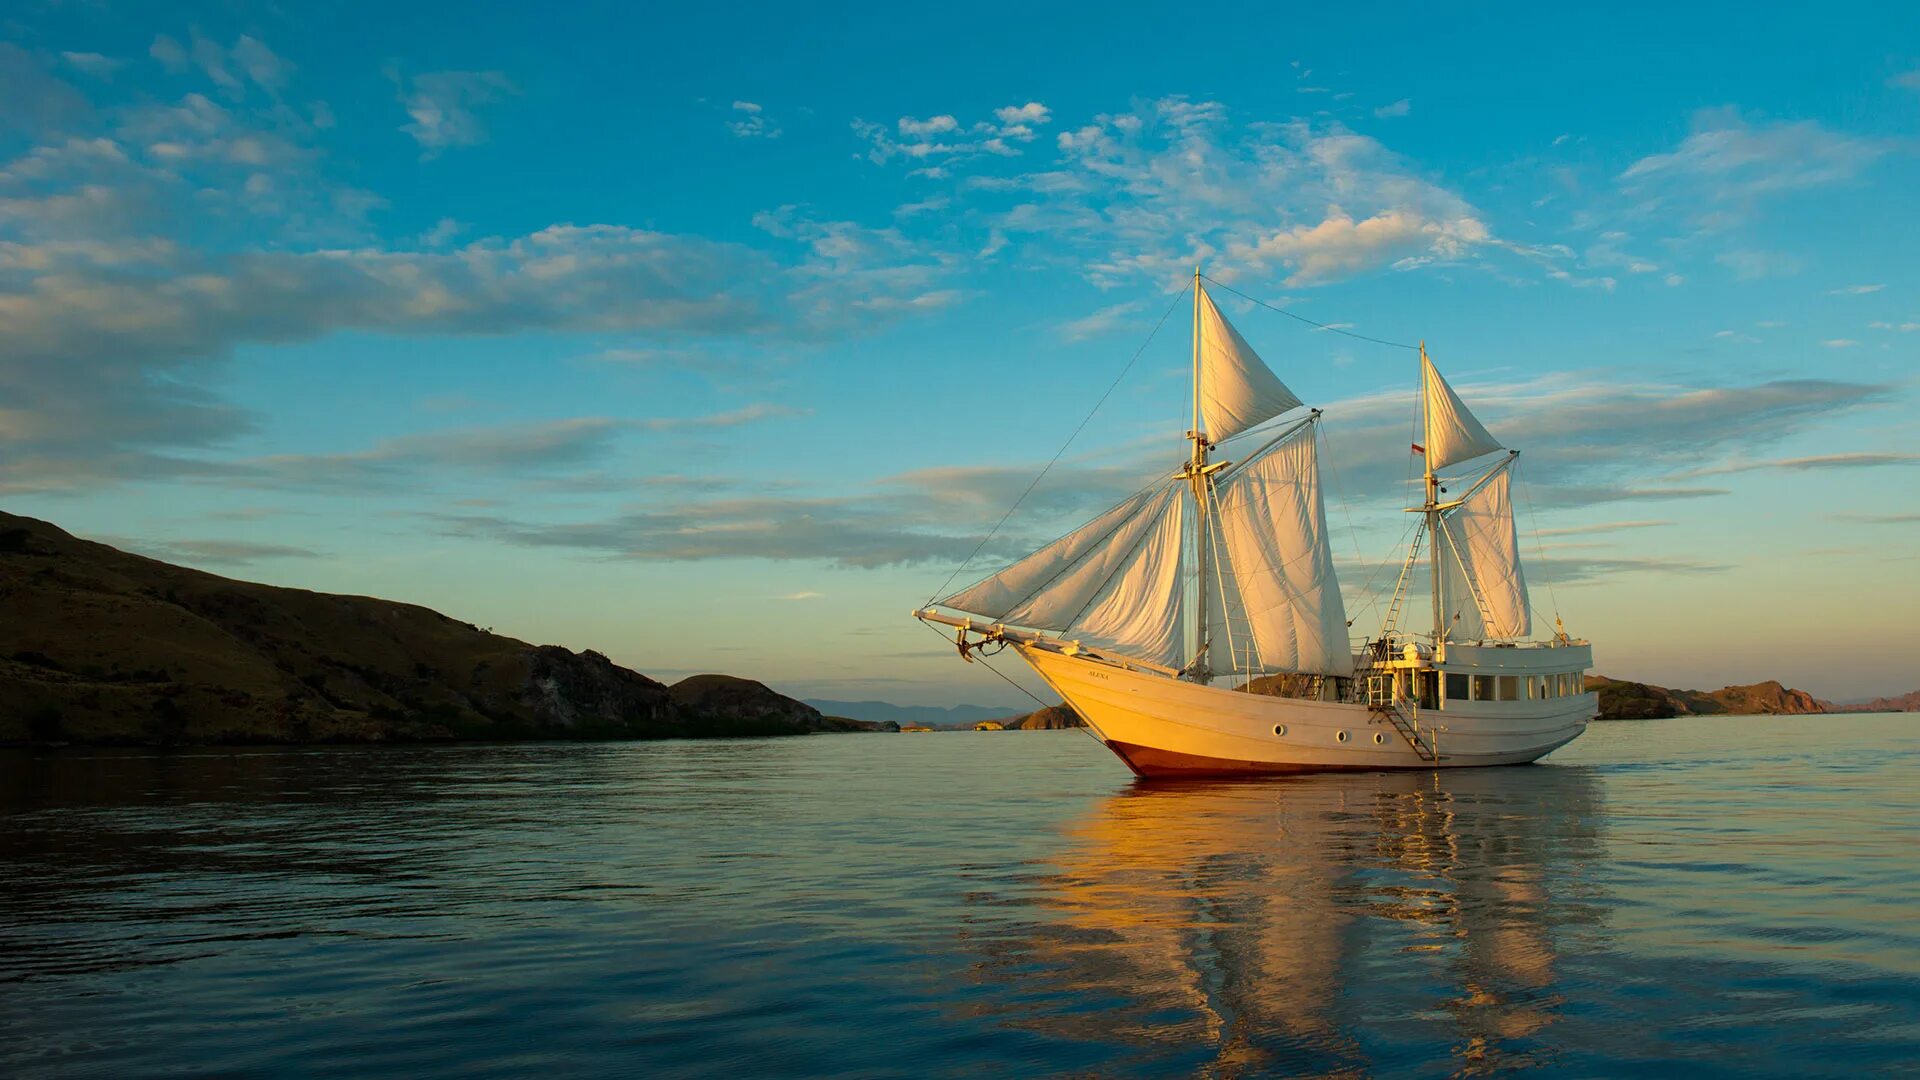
[{"x": 1698, "y": 896}]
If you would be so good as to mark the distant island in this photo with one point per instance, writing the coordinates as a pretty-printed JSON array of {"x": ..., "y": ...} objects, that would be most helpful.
[
  {"x": 99, "y": 646},
  {"x": 105, "y": 647}
]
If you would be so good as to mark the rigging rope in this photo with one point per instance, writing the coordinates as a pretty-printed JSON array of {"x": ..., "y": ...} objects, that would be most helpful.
[
  {"x": 995, "y": 670},
  {"x": 1340, "y": 494},
  {"x": 1115, "y": 385},
  {"x": 1330, "y": 328},
  {"x": 1540, "y": 549}
]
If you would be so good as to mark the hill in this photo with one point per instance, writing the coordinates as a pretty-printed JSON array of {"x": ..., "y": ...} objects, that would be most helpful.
[
  {"x": 101, "y": 646},
  {"x": 1051, "y": 718},
  {"x": 955, "y": 716},
  {"x": 1902, "y": 703},
  {"x": 1623, "y": 700}
]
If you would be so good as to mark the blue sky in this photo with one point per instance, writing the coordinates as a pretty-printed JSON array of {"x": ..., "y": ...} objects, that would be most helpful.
[{"x": 713, "y": 339}]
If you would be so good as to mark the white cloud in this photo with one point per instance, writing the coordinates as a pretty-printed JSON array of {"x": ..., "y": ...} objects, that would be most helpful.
[
  {"x": 1603, "y": 527},
  {"x": 752, "y": 122},
  {"x": 944, "y": 138},
  {"x": 267, "y": 70},
  {"x": 442, "y": 104},
  {"x": 1857, "y": 460},
  {"x": 169, "y": 52},
  {"x": 1855, "y": 290},
  {"x": 93, "y": 63},
  {"x": 1031, "y": 113},
  {"x": 1839, "y": 343},
  {"x": 1398, "y": 108},
  {"x": 1728, "y": 156},
  {"x": 804, "y": 594},
  {"x": 1103, "y": 321},
  {"x": 1339, "y": 246},
  {"x": 1907, "y": 79}
]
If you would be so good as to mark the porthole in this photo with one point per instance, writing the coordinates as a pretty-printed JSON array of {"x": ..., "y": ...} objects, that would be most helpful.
[
  {"x": 1379, "y": 738},
  {"x": 1280, "y": 729},
  {"x": 1341, "y": 735}
]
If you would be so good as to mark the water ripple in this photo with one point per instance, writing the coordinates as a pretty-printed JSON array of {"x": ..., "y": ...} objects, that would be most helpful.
[{"x": 1727, "y": 896}]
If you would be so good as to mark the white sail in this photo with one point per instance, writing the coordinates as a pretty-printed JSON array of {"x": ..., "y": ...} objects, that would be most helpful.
[
  {"x": 1274, "y": 524},
  {"x": 1453, "y": 433},
  {"x": 1060, "y": 603},
  {"x": 1237, "y": 389},
  {"x": 1000, "y": 594},
  {"x": 1480, "y": 566},
  {"x": 1138, "y": 613}
]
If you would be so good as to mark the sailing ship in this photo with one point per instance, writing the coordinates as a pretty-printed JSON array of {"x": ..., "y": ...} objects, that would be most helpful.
[{"x": 1198, "y": 626}]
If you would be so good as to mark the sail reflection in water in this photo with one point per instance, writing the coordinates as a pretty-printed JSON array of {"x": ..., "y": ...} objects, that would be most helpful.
[{"x": 1260, "y": 925}]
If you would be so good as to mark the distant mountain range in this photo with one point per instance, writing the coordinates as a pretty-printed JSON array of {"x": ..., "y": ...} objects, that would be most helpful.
[
  {"x": 1903, "y": 703},
  {"x": 928, "y": 715}
]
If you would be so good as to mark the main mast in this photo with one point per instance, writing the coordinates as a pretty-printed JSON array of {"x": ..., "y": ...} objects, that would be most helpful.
[
  {"x": 1202, "y": 664},
  {"x": 1432, "y": 506}
]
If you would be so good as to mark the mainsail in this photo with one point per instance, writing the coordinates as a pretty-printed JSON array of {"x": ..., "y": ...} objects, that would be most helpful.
[
  {"x": 1486, "y": 593},
  {"x": 1275, "y": 558},
  {"x": 1255, "y": 535}
]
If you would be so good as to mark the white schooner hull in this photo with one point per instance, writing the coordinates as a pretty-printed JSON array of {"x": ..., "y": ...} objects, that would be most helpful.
[{"x": 1166, "y": 727}]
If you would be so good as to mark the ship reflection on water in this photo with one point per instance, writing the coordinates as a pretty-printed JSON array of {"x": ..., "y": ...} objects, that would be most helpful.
[{"x": 1266, "y": 926}]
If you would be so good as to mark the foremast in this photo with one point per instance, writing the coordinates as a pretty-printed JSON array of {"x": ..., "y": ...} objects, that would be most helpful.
[{"x": 1201, "y": 668}]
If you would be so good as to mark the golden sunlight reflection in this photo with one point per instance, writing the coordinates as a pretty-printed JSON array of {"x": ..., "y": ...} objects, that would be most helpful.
[{"x": 1233, "y": 920}]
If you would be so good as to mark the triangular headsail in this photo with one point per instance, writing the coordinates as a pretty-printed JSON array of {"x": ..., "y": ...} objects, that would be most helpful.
[
  {"x": 1237, "y": 389},
  {"x": 1485, "y": 590},
  {"x": 1453, "y": 433}
]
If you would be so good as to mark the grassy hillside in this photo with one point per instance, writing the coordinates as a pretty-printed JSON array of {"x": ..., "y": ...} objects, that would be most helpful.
[{"x": 100, "y": 646}]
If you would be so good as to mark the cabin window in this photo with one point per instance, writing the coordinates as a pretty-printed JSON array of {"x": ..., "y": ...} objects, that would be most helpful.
[
  {"x": 1456, "y": 686},
  {"x": 1539, "y": 687},
  {"x": 1483, "y": 688},
  {"x": 1426, "y": 689},
  {"x": 1509, "y": 688},
  {"x": 1570, "y": 684},
  {"x": 1342, "y": 736},
  {"x": 1280, "y": 730},
  {"x": 1379, "y": 738}
]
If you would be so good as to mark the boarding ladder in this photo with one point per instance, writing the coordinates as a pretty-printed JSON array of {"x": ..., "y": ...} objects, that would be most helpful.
[{"x": 1404, "y": 716}]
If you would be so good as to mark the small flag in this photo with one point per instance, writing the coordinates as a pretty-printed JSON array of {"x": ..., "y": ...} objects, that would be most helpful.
[{"x": 1418, "y": 449}]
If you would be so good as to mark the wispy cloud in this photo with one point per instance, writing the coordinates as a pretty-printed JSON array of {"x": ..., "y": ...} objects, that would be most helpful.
[
  {"x": 1603, "y": 527},
  {"x": 943, "y": 138},
  {"x": 1880, "y": 519},
  {"x": 205, "y": 552},
  {"x": 1731, "y": 156},
  {"x": 1104, "y": 321},
  {"x": 93, "y": 64},
  {"x": 1856, "y": 460},
  {"x": 442, "y": 106},
  {"x": 750, "y": 121},
  {"x": 1855, "y": 290},
  {"x": 1398, "y": 108}
]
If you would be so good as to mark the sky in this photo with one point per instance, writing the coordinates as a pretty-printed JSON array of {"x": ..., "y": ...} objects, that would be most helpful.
[{"x": 715, "y": 337}]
